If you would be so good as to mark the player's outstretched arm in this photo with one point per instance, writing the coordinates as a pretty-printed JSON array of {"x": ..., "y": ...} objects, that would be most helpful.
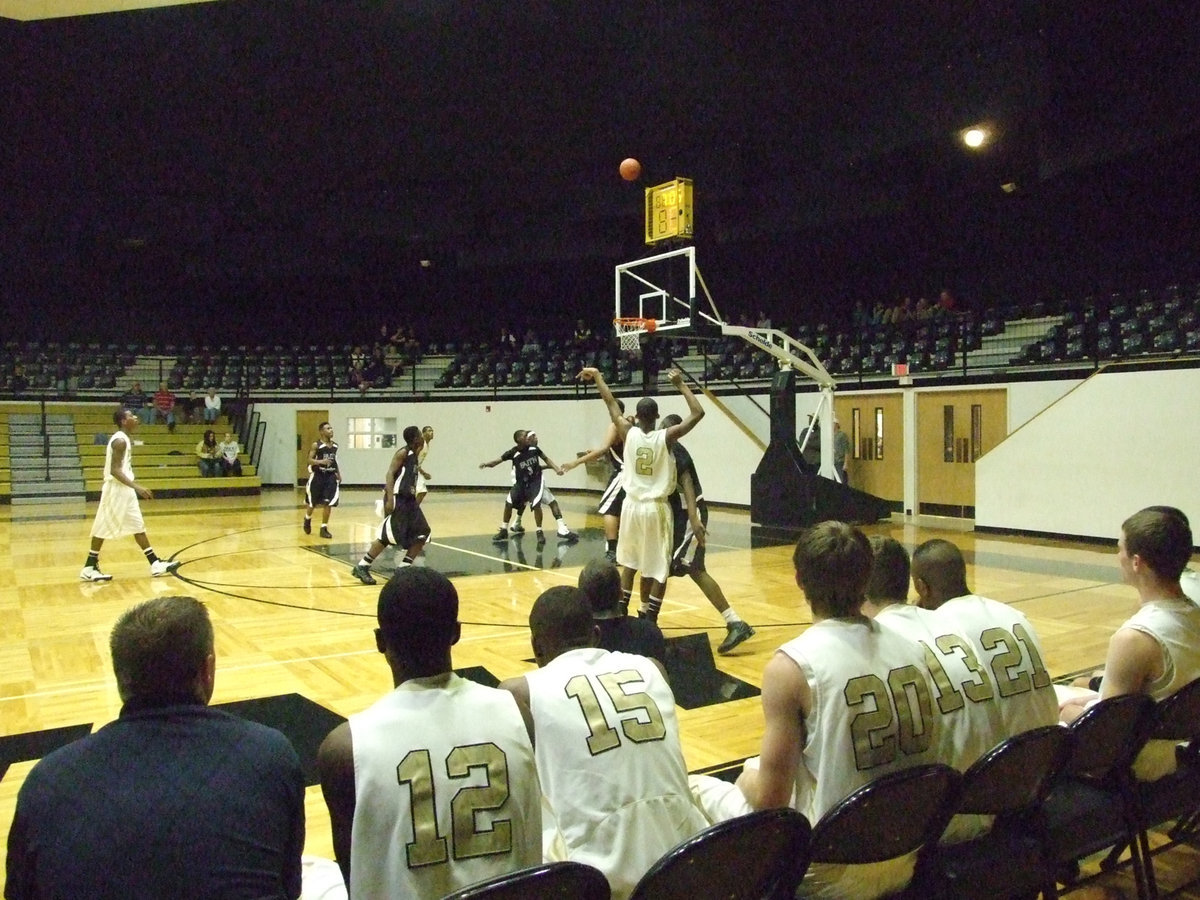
[
  {"x": 490, "y": 465},
  {"x": 695, "y": 410},
  {"x": 598, "y": 453},
  {"x": 593, "y": 375}
]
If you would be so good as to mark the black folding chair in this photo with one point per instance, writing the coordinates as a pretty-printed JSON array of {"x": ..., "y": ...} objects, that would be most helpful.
[
  {"x": 1091, "y": 805},
  {"x": 1010, "y": 860},
  {"x": 758, "y": 856},
  {"x": 550, "y": 881},
  {"x": 893, "y": 816}
]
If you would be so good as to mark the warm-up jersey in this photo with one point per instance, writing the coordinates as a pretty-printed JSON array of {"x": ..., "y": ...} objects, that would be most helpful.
[{"x": 446, "y": 790}]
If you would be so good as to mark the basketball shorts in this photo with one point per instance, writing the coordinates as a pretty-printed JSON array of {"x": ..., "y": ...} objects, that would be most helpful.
[
  {"x": 613, "y": 497},
  {"x": 687, "y": 555},
  {"x": 119, "y": 513},
  {"x": 323, "y": 489},
  {"x": 644, "y": 542},
  {"x": 405, "y": 526},
  {"x": 532, "y": 494}
]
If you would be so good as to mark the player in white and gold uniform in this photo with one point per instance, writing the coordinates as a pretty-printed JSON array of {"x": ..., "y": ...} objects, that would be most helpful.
[
  {"x": 644, "y": 542},
  {"x": 119, "y": 513},
  {"x": 434, "y": 787},
  {"x": 1004, "y": 643},
  {"x": 847, "y": 701},
  {"x": 607, "y": 746}
]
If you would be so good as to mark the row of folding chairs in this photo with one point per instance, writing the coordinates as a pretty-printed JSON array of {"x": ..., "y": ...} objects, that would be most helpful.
[{"x": 1057, "y": 795}]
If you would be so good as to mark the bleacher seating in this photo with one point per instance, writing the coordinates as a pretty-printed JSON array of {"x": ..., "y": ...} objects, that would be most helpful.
[{"x": 164, "y": 463}]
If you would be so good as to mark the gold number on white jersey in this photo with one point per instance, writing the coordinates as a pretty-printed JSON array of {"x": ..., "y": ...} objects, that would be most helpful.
[
  {"x": 896, "y": 717},
  {"x": 644, "y": 722},
  {"x": 645, "y": 461},
  {"x": 428, "y": 846}
]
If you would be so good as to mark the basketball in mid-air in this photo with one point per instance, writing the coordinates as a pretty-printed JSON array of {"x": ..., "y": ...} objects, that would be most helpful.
[
  {"x": 630, "y": 169},
  {"x": 650, "y": 326}
]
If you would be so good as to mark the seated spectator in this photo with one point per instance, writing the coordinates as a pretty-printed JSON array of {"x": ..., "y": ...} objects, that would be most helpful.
[
  {"x": 508, "y": 340},
  {"x": 608, "y": 751},
  {"x": 443, "y": 739},
  {"x": 358, "y": 375},
  {"x": 600, "y": 584},
  {"x": 173, "y": 798},
  {"x": 583, "y": 334},
  {"x": 376, "y": 372},
  {"x": 208, "y": 455},
  {"x": 230, "y": 464},
  {"x": 212, "y": 406},
  {"x": 763, "y": 321},
  {"x": 814, "y": 691},
  {"x": 1157, "y": 650},
  {"x": 164, "y": 405},
  {"x": 136, "y": 400},
  {"x": 531, "y": 346},
  {"x": 19, "y": 382}
]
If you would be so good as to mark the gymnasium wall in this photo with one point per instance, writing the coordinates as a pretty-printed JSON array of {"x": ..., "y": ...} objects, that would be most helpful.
[
  {"x": 1079, "y": 458},
  {"x": 469, "y": 433},
  {"x": 1118, "y": 442}
]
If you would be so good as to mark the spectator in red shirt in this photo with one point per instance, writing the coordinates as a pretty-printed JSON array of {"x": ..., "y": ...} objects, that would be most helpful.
[{"x": 164, "y": 405}]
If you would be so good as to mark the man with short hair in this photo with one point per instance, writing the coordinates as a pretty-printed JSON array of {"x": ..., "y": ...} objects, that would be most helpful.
[
  {"x": 1157, "y": 650},
  {"x": 607, "y": 745},
  {"x": 644, "y": 543},
  {"x": 164, "y": 405},
  {"x": 119, "y": 513},
  {"x": 404, "y": 524},
  {"x": 843, "y": 706},
  {"x": 434, "y": 787},
  {"x": 174, "y": 798},
  {"x": 600, "y": 583},
  {"x": 529, "y": 487},
  {"x": 1001, "y": 639}
]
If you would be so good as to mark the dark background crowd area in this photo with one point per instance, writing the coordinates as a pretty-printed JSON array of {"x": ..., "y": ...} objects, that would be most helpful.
[{"x": 264, "y": 173}]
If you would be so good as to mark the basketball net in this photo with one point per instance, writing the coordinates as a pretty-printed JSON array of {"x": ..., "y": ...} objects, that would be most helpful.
[{"x": 629, "y": 334}]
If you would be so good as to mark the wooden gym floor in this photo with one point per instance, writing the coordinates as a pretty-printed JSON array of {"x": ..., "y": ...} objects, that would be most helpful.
[{"x": 294, "y": 628}]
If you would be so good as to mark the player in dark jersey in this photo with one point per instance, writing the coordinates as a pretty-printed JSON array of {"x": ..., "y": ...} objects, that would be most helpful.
[
  {"x": 404, "y": 524},
  {"x": 528, "y": 486},
  {"x": 614, "y": 493},
  {"x": 690, "y": 514},
  {"x": 324, "y": 480}
]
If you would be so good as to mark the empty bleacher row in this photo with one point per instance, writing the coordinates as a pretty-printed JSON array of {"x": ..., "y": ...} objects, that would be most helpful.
[
  {"x": 1122, "y": 327},
  {"x": 1163, "y": 322}
]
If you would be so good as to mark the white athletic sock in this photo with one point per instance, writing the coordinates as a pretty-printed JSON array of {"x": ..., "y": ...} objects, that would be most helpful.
[{"x": 730, "y": 616}]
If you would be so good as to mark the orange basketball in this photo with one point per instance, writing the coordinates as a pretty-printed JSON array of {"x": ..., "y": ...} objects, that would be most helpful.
[
  {"x": 630, "y": 169},
  {"x": 650, "y": 326}
]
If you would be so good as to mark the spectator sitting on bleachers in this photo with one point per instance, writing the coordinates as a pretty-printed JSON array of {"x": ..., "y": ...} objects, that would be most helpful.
[
  {"x": 212, "y": 406},
  {"x": 164, "y": 405},
  {"x": 583, "y": 334},
  {"x": 208, "y": 455},
  {"x": 230, "y": 464},
  {"x": 138, "y": 401}
]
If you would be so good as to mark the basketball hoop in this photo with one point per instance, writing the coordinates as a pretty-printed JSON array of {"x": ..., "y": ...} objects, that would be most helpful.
[{"x": 630, "y": 331}]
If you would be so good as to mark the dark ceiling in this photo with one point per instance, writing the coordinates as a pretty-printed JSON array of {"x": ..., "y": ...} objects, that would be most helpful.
[{"x": 200, "y": 149}]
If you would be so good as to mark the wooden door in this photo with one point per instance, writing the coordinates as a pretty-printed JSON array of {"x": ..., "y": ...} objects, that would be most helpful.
[
  {"x": 875, "y": 424},
  {"x": 955, "y": 428},
  {"x": 308, "y": 424}
]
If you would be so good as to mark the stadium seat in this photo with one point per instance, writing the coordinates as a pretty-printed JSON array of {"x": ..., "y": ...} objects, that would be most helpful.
[{"x": 753, "y": 857}]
